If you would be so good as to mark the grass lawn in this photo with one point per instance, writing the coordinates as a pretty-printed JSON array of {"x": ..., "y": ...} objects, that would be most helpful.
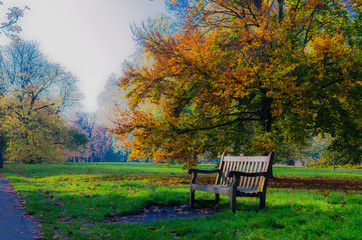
[{"x": 73, "y": 200}]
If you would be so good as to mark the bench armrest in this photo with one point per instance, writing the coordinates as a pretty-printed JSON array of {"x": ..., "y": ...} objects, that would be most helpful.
[
  {"x": 244, "y": 174},
  {"x": 195, "y": 171}
]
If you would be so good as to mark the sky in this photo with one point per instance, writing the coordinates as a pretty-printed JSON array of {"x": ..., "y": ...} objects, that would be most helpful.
[{"x": 90, "y": 38}]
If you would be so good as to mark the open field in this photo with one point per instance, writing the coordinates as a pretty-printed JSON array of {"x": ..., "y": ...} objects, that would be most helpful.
[{"x": 79, "y": 201}]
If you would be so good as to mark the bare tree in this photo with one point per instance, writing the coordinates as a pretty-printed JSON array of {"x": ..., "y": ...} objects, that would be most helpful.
[
  {"x": 28, "y": 75},
  {"x": 100, "y": 140},
  {"x": 9, "y": 27}
]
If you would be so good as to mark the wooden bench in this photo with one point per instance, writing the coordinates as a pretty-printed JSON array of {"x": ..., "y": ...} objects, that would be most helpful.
[{"x": 237, "y": 176}]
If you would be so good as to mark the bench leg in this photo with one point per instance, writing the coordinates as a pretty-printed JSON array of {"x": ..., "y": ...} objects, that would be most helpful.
[
  {"x": 233, "y": 202},
  {"x": 192, "y": 198},
  {"x": 262, "y": 202},
  {"x": 217, "y": 198}
]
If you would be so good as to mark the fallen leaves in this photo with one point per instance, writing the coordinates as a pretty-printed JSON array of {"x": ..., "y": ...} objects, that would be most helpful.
[
  {"x": 322, "y": 183},
  {"x": 334, "y": 184}
]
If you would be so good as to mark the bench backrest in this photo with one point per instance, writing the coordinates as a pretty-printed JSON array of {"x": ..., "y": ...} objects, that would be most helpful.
[{"x": 248, "y": 164}]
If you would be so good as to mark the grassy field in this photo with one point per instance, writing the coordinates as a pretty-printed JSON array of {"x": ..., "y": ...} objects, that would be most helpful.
[{"x": 74, "y": 200}]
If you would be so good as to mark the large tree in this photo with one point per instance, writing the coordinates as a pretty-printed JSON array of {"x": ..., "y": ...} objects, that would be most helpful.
[
  {"x": 27, "y": 74},
  {"x": 35, "y": 136},
  {"x": 245, "y": 75},
  {"x": 34, "y": 91}
]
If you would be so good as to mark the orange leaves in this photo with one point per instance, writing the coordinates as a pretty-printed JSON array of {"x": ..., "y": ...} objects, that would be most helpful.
[
  {"x": 325, "y": 45},
  {"x": 241, "y": 63}
]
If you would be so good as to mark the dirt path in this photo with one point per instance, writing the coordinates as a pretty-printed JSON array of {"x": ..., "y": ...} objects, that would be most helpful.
[{"x": 14, "y": 223}]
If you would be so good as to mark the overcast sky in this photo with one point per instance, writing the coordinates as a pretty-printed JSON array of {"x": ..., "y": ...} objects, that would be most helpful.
[{"x": 91, "y": 38}]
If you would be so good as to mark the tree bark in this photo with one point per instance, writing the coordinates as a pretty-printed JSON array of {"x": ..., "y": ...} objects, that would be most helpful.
[
  {"x": 267, "y": 119},
  {"x": 1, "y": 161}
]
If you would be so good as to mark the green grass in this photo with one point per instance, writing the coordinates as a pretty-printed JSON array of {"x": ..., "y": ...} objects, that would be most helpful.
[
  {"x": 73, "y": 200},
  {"x": 291, "y": 171}
]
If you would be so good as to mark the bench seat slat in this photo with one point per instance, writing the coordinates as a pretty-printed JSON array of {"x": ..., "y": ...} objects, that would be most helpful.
[{"x": 225, "y": 190}]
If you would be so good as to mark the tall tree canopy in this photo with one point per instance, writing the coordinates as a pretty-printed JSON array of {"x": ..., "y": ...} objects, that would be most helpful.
[
  {"x": 27, "y": 74},
  {"x": 245, "y": 75},
  {"x": 35, "y": 136},
  {"x": 33, "y": 93}
]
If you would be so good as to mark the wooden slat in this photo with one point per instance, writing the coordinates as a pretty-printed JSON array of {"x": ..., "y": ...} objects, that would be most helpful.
[
  {"x": 226, "y": 180},
  {"x": 229, "y": 169},
  {"x": 222, "y": 179},
  {"x": 237, "y": 164},
  {"x": 251, "y": 170},
  {"x": 240, "y": 169},
  {"x": 232, "y": 168},
  {"x": 240, "y": 166},
  {"x": 224, "y": 172},
  {"x": 252, "y": 180},
  {"x": 221, "y": 166},
  {"x": 257, "y": 179},
  {"x": 262, "y": 179},
  {"x": 245, "y": 179},
  {"x": 248, "y": 164},
  {"x": 246, "y": 158},
  {"x": 246, "y": 169}
]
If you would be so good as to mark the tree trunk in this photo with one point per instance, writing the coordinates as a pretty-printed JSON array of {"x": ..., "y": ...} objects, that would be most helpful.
[
  {"x": 1, "y": 161},
  {"x": 267, "y": 119}
]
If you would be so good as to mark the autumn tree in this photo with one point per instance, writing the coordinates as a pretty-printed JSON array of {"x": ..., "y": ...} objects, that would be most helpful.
[
  {"x": 35, "y": 92},
  {"x": 35, "y": 136},
  {"x": 243, "y": 76}
]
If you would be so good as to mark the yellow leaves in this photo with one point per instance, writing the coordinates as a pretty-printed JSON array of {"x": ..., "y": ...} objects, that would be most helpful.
[
  {"x": 264, "y": 143},
  {"x": 325, "y": 45},
  {"x": 314, "y": 3},
  {"x": 32, "y": 129}
]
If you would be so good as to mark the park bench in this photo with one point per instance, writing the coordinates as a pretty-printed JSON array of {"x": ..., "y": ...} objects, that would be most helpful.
[{"x": 237, "y": 176}]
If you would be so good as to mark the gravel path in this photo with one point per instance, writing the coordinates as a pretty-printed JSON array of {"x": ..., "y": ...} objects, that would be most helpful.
[{"x": 14, "y": 223}]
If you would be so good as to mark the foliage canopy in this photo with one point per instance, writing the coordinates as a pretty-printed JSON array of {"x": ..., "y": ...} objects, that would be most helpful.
[
  {"x": 33, "y": 93},
  {"x": 247, "y": 75}
]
